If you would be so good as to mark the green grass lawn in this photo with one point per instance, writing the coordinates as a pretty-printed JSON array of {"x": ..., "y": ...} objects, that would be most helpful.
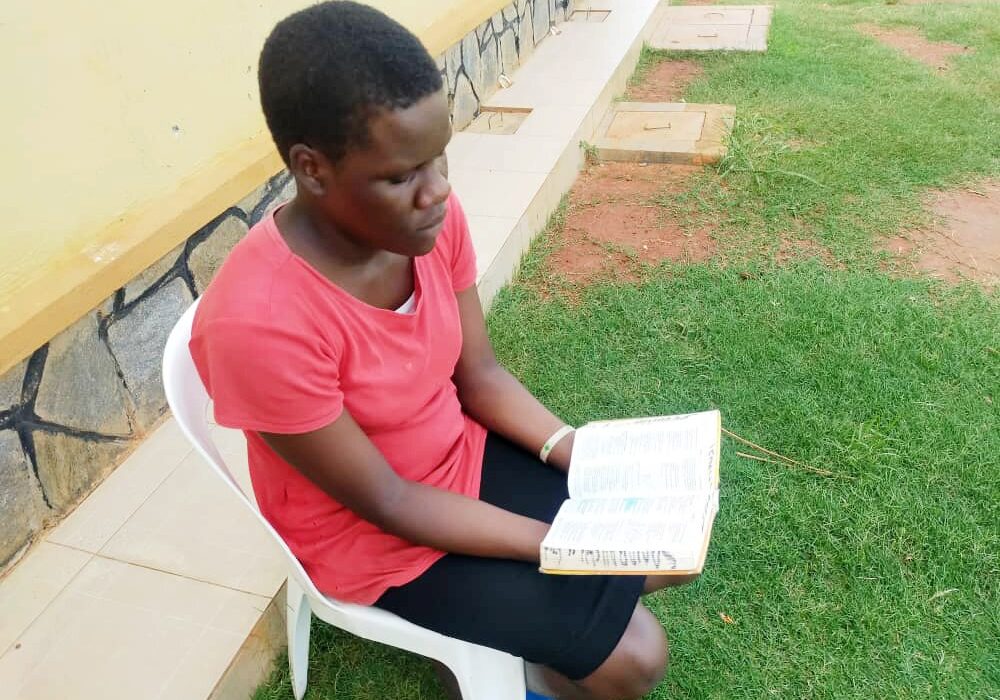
[
  {"x": 879, "y": 583},
  {"x": 883, "y": 580},
  {"x": 838, "y": 136}
]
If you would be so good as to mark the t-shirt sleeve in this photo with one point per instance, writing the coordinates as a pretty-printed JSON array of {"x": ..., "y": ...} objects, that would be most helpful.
[
  {"x": 463, "y": 255},
  {"x": 267, "y": 379}
]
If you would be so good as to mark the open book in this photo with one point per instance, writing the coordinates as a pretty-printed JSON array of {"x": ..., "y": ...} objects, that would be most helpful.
[{"x": 643, "y": 497}]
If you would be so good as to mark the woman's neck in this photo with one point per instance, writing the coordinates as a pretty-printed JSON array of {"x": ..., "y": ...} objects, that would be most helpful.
[
  {"x": 310, "y": 236},
  {"x": 377, "y": 277}
]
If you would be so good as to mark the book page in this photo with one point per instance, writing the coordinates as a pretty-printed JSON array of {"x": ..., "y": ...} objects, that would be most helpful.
[
  {"x": 641, "y": 534},
  {"x": 647, "y": 457}
]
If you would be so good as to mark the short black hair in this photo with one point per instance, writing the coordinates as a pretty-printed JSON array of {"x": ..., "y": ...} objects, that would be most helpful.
[{"x": 326, "y": 70}]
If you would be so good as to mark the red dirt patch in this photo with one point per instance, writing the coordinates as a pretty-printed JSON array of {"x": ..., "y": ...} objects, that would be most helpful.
[
  {"x": 611, "y": 228},
  {"x": 627, "y": 182},
  {"x": 936, "y": 54},
  {"x": 966, "y": 242},
  {"x": 665, "y": 82}
]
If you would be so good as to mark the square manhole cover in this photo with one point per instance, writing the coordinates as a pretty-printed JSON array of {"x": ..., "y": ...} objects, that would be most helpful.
[
  {"x": 718, "y": 14},
  {"x": 711, "y": 27},
  {"x": 640, "y": 126},
  {"x": 704, "y": 37},
  {"x": 665, "y": 132}
]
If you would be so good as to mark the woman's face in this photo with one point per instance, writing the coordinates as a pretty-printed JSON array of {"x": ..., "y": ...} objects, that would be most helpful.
[{"x": 390, "y": 193}]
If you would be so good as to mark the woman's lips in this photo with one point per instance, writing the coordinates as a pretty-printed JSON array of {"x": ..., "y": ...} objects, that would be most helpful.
[{"x": 437, "y": 221}]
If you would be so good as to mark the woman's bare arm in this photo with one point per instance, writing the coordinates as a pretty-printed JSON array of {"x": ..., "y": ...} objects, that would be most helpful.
[
  {"x": 341, "y": 460},
  {"x": 494, "y": 397}
]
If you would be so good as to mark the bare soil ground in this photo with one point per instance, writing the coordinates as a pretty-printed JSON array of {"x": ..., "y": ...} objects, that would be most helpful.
[
  {"x": 616, "y": 225},
  {"x": 665, "y": 82},
  {"x": 965, "y": 241},
  {"x": 910, "y": 42},
  {"x": 612, "y": 228}
]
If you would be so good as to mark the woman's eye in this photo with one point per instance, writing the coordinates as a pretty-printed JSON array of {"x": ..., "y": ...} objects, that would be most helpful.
[{"x": 401, "y": 179}]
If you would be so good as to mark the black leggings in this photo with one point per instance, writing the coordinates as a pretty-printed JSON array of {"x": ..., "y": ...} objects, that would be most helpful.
[{"x": 568, "y": 623}]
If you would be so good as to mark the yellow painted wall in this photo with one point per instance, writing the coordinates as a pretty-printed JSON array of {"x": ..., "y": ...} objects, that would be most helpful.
[{"x": 127, "y": 125}]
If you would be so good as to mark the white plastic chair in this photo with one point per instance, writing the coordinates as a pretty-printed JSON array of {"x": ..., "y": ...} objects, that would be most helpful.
[{"x": 482, "y": 673}]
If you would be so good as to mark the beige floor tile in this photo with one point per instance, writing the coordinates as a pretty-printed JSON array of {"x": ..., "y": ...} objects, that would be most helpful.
[
  {"x": 573, "y": 56},
  {"x": 174, "y": 597},
  {"x": 33, "y": 584},
  {"x": 623, "y": 24},
  {"x": 94, "y": 521},
  {"x": 199, "y": 669},
  {"x": 626, "y": 22},
  {"x": 561, "y": 121},
  {"x": 551, "y": 192},
  {"x": 488, "y": 235},
  {"x": 567, "y": 168},
  {"x": 194, "y": 526},
  {"x": 591, "y": 54},
  {"x": 565, "y": 69},
  {"x": 494, "y": 275},
  {"x": 495, "y": 193},
  {"x": 257, "y": 656},
  {"x": 543, "y": 90},
  {"x": 508, "y": 256},
  {"x": 461, "y": 149},
  {"x": 514, "y": 153},
  {"x": 125, "y": 632}
]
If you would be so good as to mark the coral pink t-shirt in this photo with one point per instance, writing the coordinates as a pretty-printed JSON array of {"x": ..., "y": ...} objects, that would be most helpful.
[{"x": 283, "y": 350}]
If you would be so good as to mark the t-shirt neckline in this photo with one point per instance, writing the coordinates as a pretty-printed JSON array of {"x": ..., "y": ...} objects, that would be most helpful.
[{"x": 271, "y": 226}]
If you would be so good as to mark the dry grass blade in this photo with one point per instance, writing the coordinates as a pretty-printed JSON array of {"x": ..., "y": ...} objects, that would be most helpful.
[
  {"x": 780, "y": 458},
  {"x": 806, "y": 467}
]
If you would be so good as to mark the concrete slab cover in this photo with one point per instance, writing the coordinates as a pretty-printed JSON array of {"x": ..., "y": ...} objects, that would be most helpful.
[
  {"x": 704, "y": 37},
  {"x": 710, "y": 15},
  {"x": 630, "y": 127},
  {"x": 711, "y": 27},
  {"x": 671, "y": 132}
]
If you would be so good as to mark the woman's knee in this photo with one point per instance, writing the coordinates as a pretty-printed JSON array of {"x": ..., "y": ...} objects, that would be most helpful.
[{"x": 636, "y": 665}]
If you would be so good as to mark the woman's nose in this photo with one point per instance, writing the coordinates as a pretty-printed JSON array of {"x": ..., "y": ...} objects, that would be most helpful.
[{"x": 435, "y": 190}]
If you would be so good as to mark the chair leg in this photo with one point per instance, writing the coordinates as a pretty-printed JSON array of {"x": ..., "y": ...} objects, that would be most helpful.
[
  {"x": 299, "y": 619},
  {"x": 486, "y": 674}
]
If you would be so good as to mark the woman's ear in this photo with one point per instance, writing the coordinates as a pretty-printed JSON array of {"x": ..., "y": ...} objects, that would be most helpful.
[{"x": 310, "y": 168}]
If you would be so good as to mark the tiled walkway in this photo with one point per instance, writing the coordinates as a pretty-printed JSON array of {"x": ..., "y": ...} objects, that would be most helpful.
[
  {"x": 160, "y": 574},
  {"x": 160, "y": 585}
]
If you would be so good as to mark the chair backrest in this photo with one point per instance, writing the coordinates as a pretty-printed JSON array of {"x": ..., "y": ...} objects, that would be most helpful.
[{"x": 189, "y": 402}]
